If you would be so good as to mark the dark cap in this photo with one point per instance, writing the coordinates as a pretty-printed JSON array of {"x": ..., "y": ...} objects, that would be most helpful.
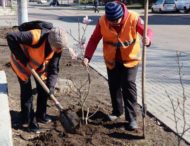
[{"x": 113, "y": 11}]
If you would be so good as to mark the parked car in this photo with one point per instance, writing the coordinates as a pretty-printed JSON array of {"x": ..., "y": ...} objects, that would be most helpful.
[
  {"x": 183, "y": 5},
  {"x": 164, "y": 6}
]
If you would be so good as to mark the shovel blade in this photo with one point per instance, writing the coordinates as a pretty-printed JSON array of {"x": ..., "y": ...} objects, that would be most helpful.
[{"x": 69, "y": 120}]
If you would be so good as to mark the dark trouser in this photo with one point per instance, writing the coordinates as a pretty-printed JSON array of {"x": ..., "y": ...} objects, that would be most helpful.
[
  {"x": 96, "y": 9},
  {"x": 27, "y": 110},
  {"x": 122, "y": 87}
]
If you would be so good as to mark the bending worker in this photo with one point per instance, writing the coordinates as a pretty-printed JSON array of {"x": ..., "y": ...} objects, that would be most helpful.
[
  {"x": 120, "y": 31},
  {"x": 41, "y": 49}
]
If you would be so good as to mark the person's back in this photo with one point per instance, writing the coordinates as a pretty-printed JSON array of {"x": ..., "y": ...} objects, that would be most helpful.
[{"x": 39, "y": 46}]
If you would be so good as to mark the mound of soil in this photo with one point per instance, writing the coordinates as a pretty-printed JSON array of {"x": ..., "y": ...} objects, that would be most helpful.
[{"x": 99, "y": 131}]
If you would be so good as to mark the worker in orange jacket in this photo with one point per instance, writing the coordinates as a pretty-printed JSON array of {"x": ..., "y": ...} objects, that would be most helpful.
[
  {"x": 41, "y": 49},
  {"x": 120, "y": 31}
]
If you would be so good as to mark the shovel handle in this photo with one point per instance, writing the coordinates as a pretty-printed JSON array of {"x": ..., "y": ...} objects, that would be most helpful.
[{"x": 52, "y": 97}]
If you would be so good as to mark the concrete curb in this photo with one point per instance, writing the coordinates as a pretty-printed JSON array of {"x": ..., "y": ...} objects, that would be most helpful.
[{"x": 5, "y": 122}]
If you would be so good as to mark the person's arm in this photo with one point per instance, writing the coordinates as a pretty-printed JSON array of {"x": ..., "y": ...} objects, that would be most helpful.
[
  {"x": 52, "y": 71},
  {"x": 140, "y": 30},
  {"x": 93, "y": 42},
  {"x": 14, "y": 39}
]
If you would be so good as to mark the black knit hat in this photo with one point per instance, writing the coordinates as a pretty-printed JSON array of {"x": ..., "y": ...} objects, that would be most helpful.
[{"x": 113, "y": 11}]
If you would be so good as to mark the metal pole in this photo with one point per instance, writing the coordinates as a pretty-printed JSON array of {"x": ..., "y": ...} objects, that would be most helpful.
[
  {"x": 22, "y": 11},
  {"x": 144, "y": 106}
]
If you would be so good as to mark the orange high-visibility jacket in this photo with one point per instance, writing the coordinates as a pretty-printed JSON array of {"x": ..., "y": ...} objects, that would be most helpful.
[
  {"x": 127, "y": 41},
  {"x": 36, "y": 57}
]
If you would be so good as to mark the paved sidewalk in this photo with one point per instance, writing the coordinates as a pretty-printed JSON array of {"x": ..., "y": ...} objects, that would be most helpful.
[{"x": 161, "y": 77}]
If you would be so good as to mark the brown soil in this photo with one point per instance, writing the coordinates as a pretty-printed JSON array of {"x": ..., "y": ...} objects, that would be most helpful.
[{"x": 98, "y": 132}]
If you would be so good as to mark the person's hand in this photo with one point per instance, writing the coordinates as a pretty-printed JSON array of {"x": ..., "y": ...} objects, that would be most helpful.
[
  {"x": 85, "y": 62},
  {"x": 146, "y": 41}
]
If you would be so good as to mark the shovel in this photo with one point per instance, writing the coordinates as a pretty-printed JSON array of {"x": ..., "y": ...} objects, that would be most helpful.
[{"x": 69, "y": 119}]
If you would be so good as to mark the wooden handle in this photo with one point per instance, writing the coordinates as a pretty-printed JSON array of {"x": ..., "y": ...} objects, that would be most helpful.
[
  {"x": 52, "y": 97},
  {"x": 144, "y": 106}
]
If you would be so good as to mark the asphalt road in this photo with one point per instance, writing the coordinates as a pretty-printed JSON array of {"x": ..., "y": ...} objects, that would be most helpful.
[{"x": 171, "y": 31}]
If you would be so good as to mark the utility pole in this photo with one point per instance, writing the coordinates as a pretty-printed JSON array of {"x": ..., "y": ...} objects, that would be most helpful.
[{"x": 22, "y": 11}]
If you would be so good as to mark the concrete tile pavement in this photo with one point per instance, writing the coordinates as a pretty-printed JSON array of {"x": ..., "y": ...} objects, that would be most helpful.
[{"x": 162, "y": 80}]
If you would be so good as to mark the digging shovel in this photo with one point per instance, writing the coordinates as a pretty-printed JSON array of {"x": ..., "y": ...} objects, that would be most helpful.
[{"x": 69, "y": 119}]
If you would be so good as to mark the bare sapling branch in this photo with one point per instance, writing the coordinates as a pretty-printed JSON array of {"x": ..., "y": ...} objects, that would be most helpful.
[
  {"x": 79, "y": 45},
  {"x": 70, "y": 33},
  {"x": 181, "y": 104},
  {"x": 82, "y": 88}
]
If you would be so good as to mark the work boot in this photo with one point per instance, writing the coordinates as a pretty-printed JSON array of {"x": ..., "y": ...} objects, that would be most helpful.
[
  {"x": 24, "y": 123},
  {"x": 133, "y": 125},
  {"x": 113, "y": 117},
  {"x": 34, "y": 127},
  {"x": 45, "y": 119}
]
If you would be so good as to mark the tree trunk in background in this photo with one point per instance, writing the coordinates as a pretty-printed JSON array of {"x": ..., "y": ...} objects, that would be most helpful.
[
  {"x": 22, "y": 11},
  {"x": 11, "y": 5},
  {"x": 3, "y": 3}
]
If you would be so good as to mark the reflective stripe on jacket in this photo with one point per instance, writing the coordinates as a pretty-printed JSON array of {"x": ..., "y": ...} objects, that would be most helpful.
[
  {"x": 127, "y": 41},
  {"x": 36, "y": 55}
]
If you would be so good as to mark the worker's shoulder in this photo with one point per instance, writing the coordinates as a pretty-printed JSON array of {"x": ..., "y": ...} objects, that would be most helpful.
[{"x": 132, "y": 12}]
